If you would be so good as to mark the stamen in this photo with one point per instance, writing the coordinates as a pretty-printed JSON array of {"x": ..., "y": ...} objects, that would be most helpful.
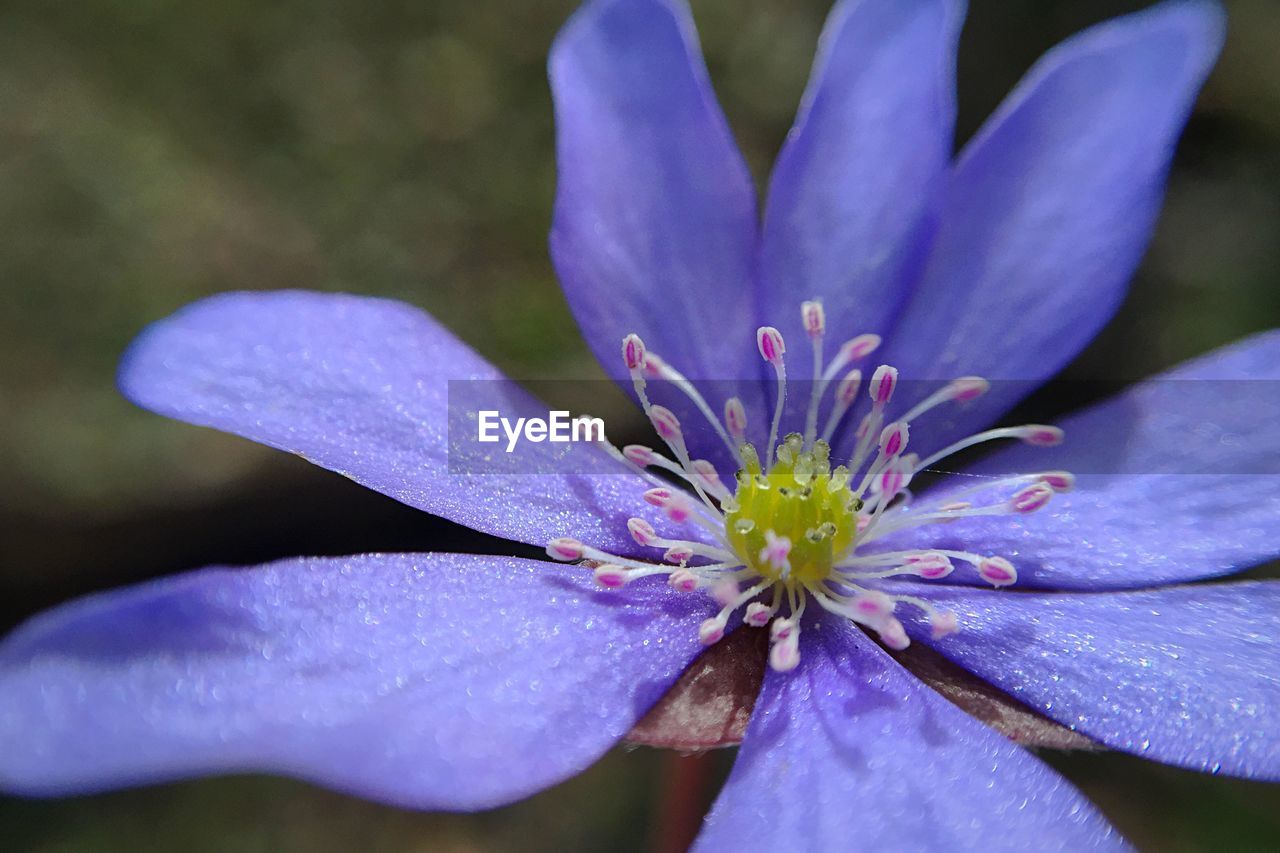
[
  {"x": 757, "y": 615},
  {"x": 893, "y": 440},
  {"x": 943, "y": 624},
  {"x": 1032, "y": 498},
  {"x": 565, "y": 549},
  {"x": 815, "y": 324},
  {"x": 997, "y": 571},
  {"x": 735, "y": 417},
  {"x": 771, "y": 346},
  {"x": 1059, "y": 481},
  {"x": 668, "y": 428},
  {"x": 611, "y": 576},
  {"x": 633, "y": 352},
  {"x": 710, "y": 479},
  {"x": 846, "y": 394},
  {"x": 639, "y": 454},
  {"x": 634, "y": 356},
  {"x": 883, "y": 382},
  {"x": 678, "y": 379},
  {"x": 815, "y": 319},
  {"x": 678, "y": 554},
  {"x": 1036, "y": 435},
  {"x": 711, "y": 631},
  {"x": 794, "y": 525},
  {"x": 850, "y": 351},
  {"x": 683, "y": 580},
  {"x": 960, "y": 390},
  {"x": 784, "y": 654}
]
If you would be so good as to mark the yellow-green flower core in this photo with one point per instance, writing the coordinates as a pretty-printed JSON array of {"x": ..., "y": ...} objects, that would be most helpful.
[{"x": 800, "y": 498}]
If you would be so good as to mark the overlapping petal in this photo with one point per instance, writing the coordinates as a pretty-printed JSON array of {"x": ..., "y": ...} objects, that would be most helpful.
[
  {"x": 1051, "y": 206},
  {"x": 1178, "y": 479},
  {"x": 363, "y": 387},
  {"x": 851, "y": 193},
  {"x": 1186, "y": 675},
  {"x": 423, "y": 680},
  {"x": 850, "y": 749},
  {"x": 654, "y": 228}
]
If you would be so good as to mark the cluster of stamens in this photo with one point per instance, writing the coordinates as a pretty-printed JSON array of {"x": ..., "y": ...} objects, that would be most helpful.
[{"x": 791, "y": 528}]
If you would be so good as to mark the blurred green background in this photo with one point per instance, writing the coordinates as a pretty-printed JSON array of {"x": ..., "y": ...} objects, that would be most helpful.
[{"x": 153, "y": 152}]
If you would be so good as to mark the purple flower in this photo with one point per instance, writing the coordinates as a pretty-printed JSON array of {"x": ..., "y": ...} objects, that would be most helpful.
[{"x": 463, "y": 682}]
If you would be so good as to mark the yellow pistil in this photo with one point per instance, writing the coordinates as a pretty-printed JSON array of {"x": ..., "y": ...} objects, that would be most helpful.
[{"x": 800, "y": 498}]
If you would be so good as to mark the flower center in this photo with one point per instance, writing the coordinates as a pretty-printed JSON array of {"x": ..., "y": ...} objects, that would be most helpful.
[
  {"x": 792, "y": 530},
  {"x": 795, "y": 521}
]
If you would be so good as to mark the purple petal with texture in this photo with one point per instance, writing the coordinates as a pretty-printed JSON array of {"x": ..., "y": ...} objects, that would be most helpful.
[
  {"x": 850, "y": 194},
  {"x": 1051, "y": 206},
  {"x": 422, "y": 680},
  {"x": 654, "y": 228},
  {"x": 1186, "y": 675},
  {"x": 1177, "y": 479},
  {"x": 852, "y": 749},
  {"x": 379, "y": 392}
]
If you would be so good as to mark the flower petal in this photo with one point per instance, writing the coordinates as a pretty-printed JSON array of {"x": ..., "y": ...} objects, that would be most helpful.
[
  {"x": 1177, "y": 479},
  {"x": 1051, "y": 206},
  {"x": 1186, "y": 675},
  {"x": 849, "y": 195},
  {"x": 422, "y": 680},
  {"x": 655, "y": 218},
  {"x": 850, "y": 746},
  {"x": 362, "y": 387}
]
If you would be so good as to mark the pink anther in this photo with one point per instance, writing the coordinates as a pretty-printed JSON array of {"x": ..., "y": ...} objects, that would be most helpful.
[
  {"x": 707, "y": 473},
  {"x": 642, "y": 531},
  {"x": 883, "y": 381},
  {"x": 814, "y": 317},
  {"x": 633, "y": 352},
  {"x": 678, "y": 554},
  {"x": 1040, "y": 435},
  {"x": 757, "y": 615},
  {"x": 1031, "y": 498},
  {"x": 711, "y": 631},
  {"x": 610, "y": 576},
  {"x": 785, "y": 654},
  {"x": 640, "y": 455},
  {"x": 930, "y": 565},
  {"x": 735, "y": 419},
  {"x": 859, "y": 347},
  {"x": 1059, "y": 481},
  {"x": 683, "y": 580},
  {"x": 997, "y": 571},
  {"x": 564, "y": 549},
  {"x": 893, "y": 634},
  {"x": 943, "y": 624},
  {"x": 847, "y": 390},
  {"x": 893, "y": 438},
  {"x": 666, "y": 423},
  {"x": 872, "y": 605},
  {"x": 769, "y": 340},
  {"x": 658, "y": 497}
]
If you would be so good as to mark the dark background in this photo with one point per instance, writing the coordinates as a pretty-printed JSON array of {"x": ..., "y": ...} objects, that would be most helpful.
[{"x": 154, "y": 152}]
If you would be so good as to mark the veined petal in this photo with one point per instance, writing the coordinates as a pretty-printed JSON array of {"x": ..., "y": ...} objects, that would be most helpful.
[
  {"x": 1051, "y": 206},
  {"x": 852, "y": 747},
  {"x": 1177, "y": 479},
  {"x": 362, "y": 387},
  {"x": 655, "y": 217},
  {"x": 1187, "y": 675},
  {"x": 852, "y": 189},
  {"x": 423, "y": 680}
]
